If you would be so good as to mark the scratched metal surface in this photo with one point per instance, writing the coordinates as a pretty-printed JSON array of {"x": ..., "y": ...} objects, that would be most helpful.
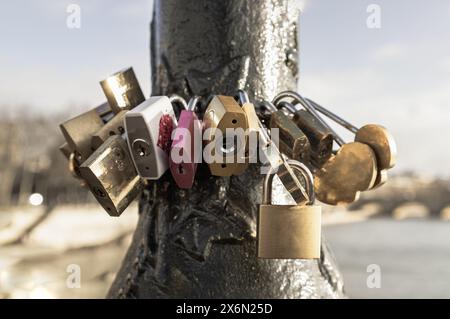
[{"x": 201, "y": 243}]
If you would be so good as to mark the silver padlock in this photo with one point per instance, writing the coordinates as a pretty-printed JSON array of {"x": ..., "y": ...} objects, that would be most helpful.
[
  {"x": 149, "y": 128},
  {"x": 289, "y": 231}
]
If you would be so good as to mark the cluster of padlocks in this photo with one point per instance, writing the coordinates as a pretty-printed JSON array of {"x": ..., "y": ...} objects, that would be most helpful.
[{"x": 120, "y": 145}]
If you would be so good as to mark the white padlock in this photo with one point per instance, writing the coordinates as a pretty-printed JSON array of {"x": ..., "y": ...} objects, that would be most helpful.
[{"x": 149, "y": 127}]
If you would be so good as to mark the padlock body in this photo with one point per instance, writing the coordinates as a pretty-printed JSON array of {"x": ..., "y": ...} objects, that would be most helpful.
[
  {"x": 252, "y": 134},
  {"x": 110, "y": 174},
  {"x": 289, "y": 232},
  {"x": 184, "y": 144},
  {"x": 320, "y": 138},
  {"x": 382, "y": 143},
  {"x": 114, "y": 127},
  {"x": 149, "y": 127},
  {"x": 122, "y": 90},
  {"x": 341, "y": 179},
  {"x": 252, "y": 117},
  {"x": 224, "y": 112},
  {"x": 382, "y": 178},
  {"x": 292, "y": 141},
  {"x": 78, "y": 132}
]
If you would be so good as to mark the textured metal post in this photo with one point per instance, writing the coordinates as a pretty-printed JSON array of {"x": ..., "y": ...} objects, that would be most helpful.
[{"x": 201, "y": 243}]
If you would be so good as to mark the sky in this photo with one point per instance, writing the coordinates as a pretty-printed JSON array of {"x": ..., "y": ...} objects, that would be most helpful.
[{"x": 397, "y": 75}]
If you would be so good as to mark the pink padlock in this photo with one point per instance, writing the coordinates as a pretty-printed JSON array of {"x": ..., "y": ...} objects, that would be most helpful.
[{"x": 186, "y": 147}]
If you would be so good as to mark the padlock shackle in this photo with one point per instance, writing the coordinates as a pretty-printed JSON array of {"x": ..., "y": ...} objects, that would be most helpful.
[
  {"x": 243, "y": 97},
  {"x": 192, "y": 103},
  {"x": 176, "y": 99},
  {"x": 269, "y": 106},
  {"x": 72, "y": 165},
  {"x": 339, "y": 120},
  {"x": 295, "y": 165},
  {"x": 288, "y": 106},
  {"x": 299, "y": 99}
]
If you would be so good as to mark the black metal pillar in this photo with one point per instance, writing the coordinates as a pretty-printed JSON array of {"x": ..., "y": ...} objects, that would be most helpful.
[{"x": 201, "y": 243}]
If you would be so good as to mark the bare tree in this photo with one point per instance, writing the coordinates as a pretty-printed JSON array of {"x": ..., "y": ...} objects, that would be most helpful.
[{"x": 201, "y": 243}]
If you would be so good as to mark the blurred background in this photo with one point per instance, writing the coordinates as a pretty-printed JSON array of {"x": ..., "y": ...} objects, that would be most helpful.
[{"x": 396, "y": 74}]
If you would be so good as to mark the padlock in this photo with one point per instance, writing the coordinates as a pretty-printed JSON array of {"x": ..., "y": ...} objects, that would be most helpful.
[
  {"x": 222, "y": 113},
  {"x": 376, "y": 136},
  {"x": 251, "y": 135},
  {"x": 114, "y": 127},
  {"x": 341, "y": 179},
  {"x": 105, "y": 112},
  {"x": 297, "y": 98},
  {"x": 78, "y": 132},
  {"x": 289, "y": 231},
  {"x": 122, "y": 90},
  {"x": 65, "y": 150},
  {"x": 320, "y": 138},
  {"x": 250, "y": 112},
  {"x": 149, "y": 127},
  {"x": 110, "y": 174},
  {"x": 271, "y": 155},
  {"x": 293, "y": 141},
  {"x": 186, "y": 146}
]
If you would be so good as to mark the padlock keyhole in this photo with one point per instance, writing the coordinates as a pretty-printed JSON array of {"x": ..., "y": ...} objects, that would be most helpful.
[{"x": 99, "y": 193}]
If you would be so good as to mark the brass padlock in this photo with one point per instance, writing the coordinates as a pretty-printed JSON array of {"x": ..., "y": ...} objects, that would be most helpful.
[
  {"x": 293, "y": 141},
  {"x": 252, "y": 134},
  {"x": 289, "y": 231},
  {"x": 352, "y": 170},
  {"x": 376, "y": 136},
  {"x": 78, "y": 133},
  {"x": 222, "y": 113},
  {"x": 110, "y": 174},
  {"x": 320, "y": 138},
  {"x": 122, "y": 90},
  {"x": 114, "y": 127}
]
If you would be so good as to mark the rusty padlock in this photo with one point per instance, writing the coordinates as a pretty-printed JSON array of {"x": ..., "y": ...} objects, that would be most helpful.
[
  {"x": 224, "y": 123},
  {"x": 289, "y": 231},
  {"x": 186, "y": 147},
  {"x": 293, "y": 141}
]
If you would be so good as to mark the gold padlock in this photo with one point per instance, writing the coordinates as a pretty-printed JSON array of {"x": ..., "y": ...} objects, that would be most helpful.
[
  {"x": 352, "y": 170},
  {"x": 224, "y": 112},
  {"x": 114, "y": 127},
  {"x": 122, "y": 90},
  {"x": 376, "y": 136},
  {"x": 110, "y": 174},
  {"x": 289, "y": 231},
  {"x": 78, "y": 132},
  {"x": 252, "y": 134}
]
